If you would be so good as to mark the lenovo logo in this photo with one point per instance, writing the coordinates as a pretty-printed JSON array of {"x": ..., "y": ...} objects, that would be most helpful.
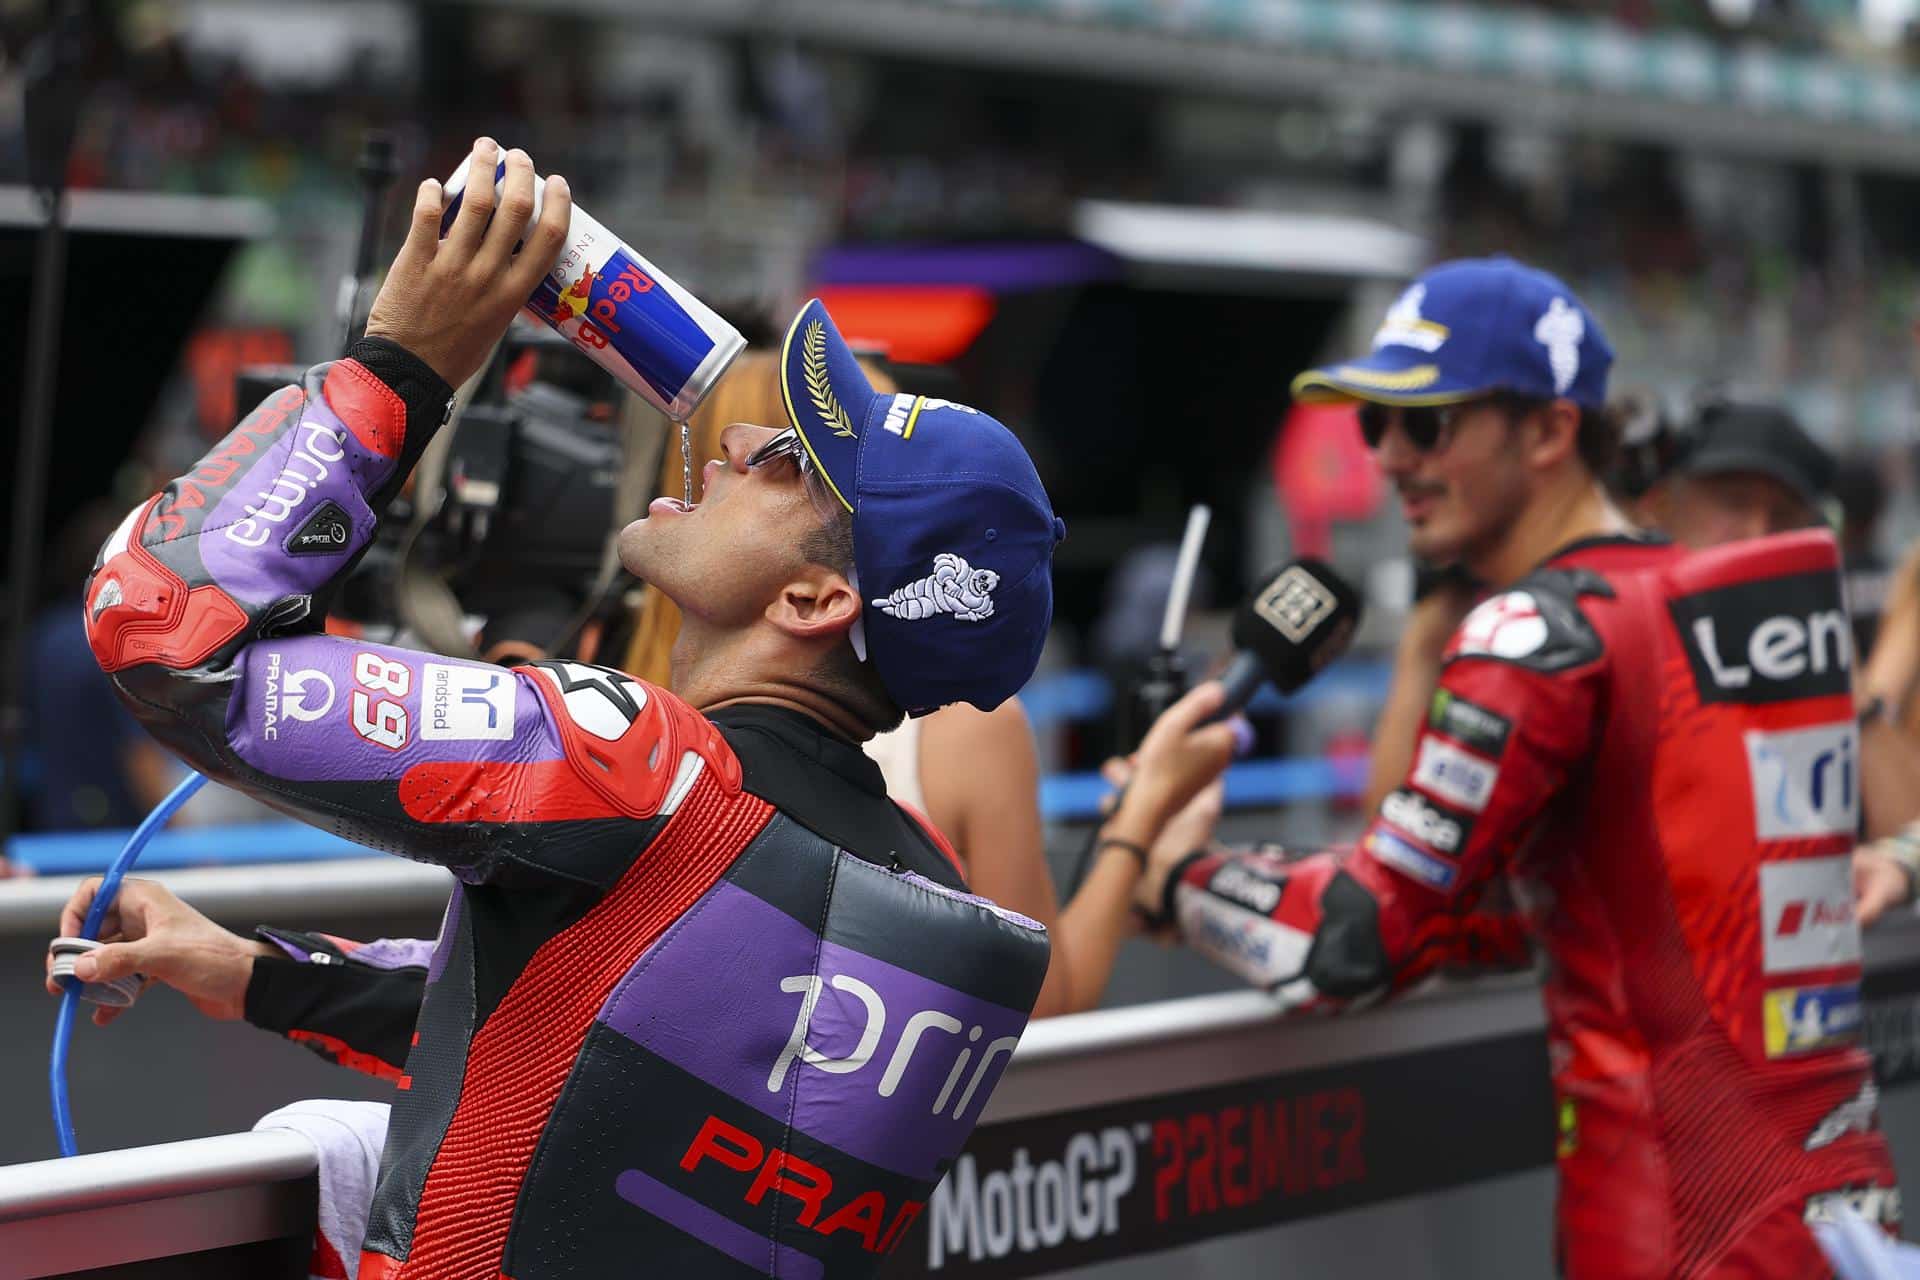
[{"x": 1769, "y": 641}]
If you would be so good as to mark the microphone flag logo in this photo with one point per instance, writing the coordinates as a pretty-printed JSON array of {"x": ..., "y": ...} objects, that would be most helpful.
[{"x": 1296, "y": 604}]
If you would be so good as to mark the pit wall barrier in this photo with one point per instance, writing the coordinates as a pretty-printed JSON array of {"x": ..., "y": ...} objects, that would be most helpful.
[{"x": 1200, "y": 1137}]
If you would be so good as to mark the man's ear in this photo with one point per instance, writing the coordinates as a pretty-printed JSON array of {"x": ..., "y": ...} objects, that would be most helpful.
[
  {"x": 818, "y": 604},
  {"x": 1553, "y": 434}
]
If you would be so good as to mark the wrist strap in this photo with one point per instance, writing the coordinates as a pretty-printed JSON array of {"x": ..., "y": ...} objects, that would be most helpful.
[
  {"x": 1115, "y": 842},
  {"x": 1164, "y": 916}
]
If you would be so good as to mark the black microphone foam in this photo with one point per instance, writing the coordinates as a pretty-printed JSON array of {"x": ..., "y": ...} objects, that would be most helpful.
[{"x": 1300, "y": 618}]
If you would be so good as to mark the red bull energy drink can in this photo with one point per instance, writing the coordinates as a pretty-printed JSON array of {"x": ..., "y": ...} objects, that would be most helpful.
[{"x": 630, "y": 317}]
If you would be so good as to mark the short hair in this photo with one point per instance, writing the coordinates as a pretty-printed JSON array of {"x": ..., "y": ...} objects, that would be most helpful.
[
  {"x": 856, "y": 683},
  {"x": 1597, "y": 439}
]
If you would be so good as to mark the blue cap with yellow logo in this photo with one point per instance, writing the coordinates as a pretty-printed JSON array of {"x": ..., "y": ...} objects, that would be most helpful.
[
  {"x": 953, "y": 535},
  {"x": 1471, "y": 327}
]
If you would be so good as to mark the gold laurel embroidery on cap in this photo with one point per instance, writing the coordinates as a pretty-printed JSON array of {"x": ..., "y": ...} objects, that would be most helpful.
[
  {"x": 1421, "y": 375},
  {"x": 813, "y": 358}
]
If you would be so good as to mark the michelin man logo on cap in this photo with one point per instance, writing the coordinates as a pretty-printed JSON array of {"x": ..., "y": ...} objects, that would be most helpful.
[
  {"x": 1561, "y": 330},
  {"x": 1404, "y": 326},
  {"x": 954, "y": 587}
]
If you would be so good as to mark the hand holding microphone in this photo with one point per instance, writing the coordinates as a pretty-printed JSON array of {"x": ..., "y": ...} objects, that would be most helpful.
[
  {"x": 1186, "y": 749},
  {"x": 1288, "y": 629}
]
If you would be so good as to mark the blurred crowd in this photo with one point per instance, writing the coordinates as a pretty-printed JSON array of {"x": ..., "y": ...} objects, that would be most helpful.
[
  {"x": 1715, "y": 277},
  {"x": 1762, "y": 314}
]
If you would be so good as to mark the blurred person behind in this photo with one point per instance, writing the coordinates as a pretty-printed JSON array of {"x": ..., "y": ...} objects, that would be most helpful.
[
  {"x": 1652, "y": 448},
  {"x": 1887, "y": 871},
  {"x": 1711, "y": 1092},
  {"x": 1640, "y": 483},
  {"x": 1752, "y": 471}
]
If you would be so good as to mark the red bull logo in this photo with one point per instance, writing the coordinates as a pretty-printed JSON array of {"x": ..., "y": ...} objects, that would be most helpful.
[
  {"x": 604, "y": 312},
  {"x": 573, "y": 302}
]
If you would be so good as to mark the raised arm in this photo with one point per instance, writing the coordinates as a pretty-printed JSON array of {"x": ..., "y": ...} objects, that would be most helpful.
[{"x": 205, "y": 606}]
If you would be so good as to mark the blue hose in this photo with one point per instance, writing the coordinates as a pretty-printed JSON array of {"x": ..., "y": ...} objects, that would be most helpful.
[{"x": 102, "y": 901}]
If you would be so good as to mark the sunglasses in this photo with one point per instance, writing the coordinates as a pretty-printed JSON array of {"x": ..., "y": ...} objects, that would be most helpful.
[
  {"x": 787, "y": 444},
  {"x": 1427, "y": 427}
]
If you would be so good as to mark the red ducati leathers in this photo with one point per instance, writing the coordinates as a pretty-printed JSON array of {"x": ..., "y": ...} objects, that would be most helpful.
[{"x": 1658, "y": 751}]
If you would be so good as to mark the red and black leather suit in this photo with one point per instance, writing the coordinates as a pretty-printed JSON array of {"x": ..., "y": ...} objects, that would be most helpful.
[{"x": 1658, "y": 751}]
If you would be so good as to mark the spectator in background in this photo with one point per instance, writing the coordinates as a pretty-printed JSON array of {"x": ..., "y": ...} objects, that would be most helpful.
[
  {"x": 1887, "y": 871},
  {"x": 1752, "y": 471},
  {"x": 1652, "y": 447}
]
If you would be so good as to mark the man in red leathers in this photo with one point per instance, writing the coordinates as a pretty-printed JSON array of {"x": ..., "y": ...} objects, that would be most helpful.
[{"x": 1657, "y": 750}]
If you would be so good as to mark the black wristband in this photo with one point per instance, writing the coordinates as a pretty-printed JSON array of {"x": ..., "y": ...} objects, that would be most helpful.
[
  {"x": 424, "y": 392},
  {"x": 1164, "y": 916},
  {"x": 1114, "y": 842}
]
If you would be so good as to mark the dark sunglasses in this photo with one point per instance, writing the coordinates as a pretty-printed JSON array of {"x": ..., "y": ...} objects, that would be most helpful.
[
  {"x": 1428, "y": 426},
  {"x": 1425, "y": 426}
]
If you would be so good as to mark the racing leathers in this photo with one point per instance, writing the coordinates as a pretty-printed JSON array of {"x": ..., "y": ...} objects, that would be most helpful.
[
  {"x": 1658, "y": 751},
  {"x": 669, "y": 1022}
]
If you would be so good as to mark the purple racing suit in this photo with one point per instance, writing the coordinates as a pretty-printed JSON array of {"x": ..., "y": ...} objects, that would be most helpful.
[{"x": 674, "y": 1014}]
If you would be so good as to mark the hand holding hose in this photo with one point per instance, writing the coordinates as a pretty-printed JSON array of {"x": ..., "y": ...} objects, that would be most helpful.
[{"x": 151, "y": 933}]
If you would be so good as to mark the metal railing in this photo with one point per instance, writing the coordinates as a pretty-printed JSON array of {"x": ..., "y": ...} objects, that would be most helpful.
[{"x": 1208, "y": 1125}]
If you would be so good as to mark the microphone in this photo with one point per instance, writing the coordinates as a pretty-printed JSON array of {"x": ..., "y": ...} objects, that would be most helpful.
[{"x": 1300, "y": 618}]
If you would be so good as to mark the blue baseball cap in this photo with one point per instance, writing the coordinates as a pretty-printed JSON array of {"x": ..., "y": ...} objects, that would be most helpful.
[
  {"x": 953, "y": 535},
  {"x": 1471, "y": 327}
]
